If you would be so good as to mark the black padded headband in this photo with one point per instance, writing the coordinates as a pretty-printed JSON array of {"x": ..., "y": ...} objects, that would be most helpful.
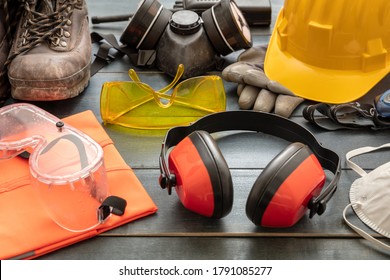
[{"x": 266, "y": 123}]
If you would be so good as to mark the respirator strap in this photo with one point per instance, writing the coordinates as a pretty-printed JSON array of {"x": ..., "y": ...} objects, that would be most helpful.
[
  {"x": 345, "y": 116},
  {"x": 103, "y": 56}
]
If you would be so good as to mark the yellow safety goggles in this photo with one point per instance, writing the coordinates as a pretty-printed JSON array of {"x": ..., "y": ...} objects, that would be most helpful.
[{"x": 137, "y": 105}]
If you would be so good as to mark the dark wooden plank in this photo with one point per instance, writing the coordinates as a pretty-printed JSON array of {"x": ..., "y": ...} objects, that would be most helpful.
[
  {"x": 141, "y": 148},
  {"x": 175, "y": 233},
  {"x": 101, "y": 9},
  {"x": 172, "y": 219},
  {"x": 179, "y": 248}
]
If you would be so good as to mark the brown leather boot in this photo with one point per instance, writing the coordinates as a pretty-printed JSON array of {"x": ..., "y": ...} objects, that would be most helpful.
[
  {"x": 51, "y": 52},
  {"x": 4, "y": 50}
]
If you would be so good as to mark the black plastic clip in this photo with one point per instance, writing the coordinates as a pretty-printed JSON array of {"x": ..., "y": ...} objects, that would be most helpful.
[{"x": 111, "y": 205}]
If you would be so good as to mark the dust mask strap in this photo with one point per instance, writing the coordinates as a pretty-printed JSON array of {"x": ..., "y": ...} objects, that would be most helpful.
[{"x": 363, "y": 233}]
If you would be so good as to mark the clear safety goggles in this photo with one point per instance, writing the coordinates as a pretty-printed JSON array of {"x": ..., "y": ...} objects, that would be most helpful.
[
  {"x": 137, "y": 105},
  {"x": 66, "y": 166}
]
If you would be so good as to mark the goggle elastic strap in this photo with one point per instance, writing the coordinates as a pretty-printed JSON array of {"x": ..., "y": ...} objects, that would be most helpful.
[{"x": 112, "y": 204}]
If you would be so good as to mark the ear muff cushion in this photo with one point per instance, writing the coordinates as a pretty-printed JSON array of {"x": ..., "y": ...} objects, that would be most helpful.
[
  {"x": 272, "y": 177},
  {"x": 218, "y": 171}
]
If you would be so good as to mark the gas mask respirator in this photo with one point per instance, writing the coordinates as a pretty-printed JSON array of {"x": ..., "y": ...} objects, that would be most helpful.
[{"x": 169, "y": 38}]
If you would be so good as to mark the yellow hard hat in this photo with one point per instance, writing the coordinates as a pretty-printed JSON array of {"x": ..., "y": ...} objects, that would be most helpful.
[{"x": 330, "y": 51}]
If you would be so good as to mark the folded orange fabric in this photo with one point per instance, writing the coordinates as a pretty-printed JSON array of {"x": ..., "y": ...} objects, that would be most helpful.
[{"x": 27, "y": 231}]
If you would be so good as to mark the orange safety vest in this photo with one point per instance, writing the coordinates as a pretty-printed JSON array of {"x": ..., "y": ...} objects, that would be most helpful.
[{"x": 27, "y": 231}]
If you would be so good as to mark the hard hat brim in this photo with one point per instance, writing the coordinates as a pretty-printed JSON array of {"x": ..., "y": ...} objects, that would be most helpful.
[{"x": 315, "y": 83}]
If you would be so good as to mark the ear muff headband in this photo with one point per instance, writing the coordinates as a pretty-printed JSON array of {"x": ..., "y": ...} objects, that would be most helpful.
[{"x": 259, "y": 122}]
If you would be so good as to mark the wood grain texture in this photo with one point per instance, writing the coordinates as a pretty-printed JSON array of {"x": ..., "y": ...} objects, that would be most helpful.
[{"x": 175, "y": 233}]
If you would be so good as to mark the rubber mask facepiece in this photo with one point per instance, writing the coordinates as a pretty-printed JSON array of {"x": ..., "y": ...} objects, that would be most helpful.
[
  {"x": 137, "y": 105},
  {"x": 370, "y": 197},
  {"x": 66, "y": 166},
  {"x": 168, "y": 39}
]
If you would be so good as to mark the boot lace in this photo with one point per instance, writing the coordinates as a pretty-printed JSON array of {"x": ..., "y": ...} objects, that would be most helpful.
[
  {"x": 46, "y": 26},
  {"x": 40, "y": 26}
]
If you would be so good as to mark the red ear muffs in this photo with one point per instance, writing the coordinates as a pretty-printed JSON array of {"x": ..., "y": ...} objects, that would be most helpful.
[
  {"x": 203, "y": 181},
  {"x": 292, "y": 183},
  {"x": 281, "y": 193}
]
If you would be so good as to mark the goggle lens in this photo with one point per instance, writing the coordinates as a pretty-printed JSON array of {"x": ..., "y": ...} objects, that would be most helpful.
[{"x": 66, "y": 165}]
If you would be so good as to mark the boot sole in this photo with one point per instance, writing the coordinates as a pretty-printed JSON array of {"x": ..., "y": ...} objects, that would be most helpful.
[{"x": 50, "y": 93}]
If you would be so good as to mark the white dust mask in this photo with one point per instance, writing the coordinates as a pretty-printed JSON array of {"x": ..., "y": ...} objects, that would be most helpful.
[{"x": 370, "y": 197}]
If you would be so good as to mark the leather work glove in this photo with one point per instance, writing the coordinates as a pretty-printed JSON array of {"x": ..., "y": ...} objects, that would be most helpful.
[{"x": 254, "y": 89}]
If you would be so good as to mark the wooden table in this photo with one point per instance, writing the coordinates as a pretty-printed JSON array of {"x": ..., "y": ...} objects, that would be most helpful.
[{"x": 175, "y": 233}]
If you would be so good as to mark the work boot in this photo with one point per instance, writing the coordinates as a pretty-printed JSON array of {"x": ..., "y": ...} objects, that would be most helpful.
[
  {"x": 51, "y": 51},
  {"x": 4, "y": 50}
]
